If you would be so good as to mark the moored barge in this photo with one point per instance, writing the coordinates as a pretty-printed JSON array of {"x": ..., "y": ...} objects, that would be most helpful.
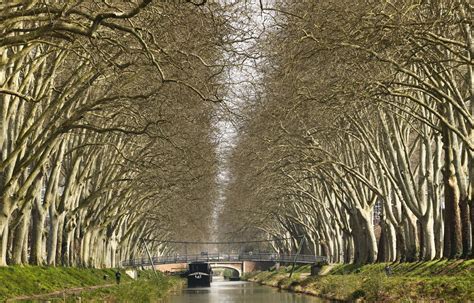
[{"x": 199, "y": 274}]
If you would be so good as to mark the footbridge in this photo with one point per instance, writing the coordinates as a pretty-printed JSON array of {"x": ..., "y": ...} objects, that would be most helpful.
[{"x": 242, "y": 263}]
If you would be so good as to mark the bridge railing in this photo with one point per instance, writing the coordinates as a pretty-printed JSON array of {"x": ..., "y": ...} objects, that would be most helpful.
[{"x": 223, "y": 257}]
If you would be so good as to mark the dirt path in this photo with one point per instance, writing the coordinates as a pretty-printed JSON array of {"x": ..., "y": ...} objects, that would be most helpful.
[{"x": 68, "y": 291}]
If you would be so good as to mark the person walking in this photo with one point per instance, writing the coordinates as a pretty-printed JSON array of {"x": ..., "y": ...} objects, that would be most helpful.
[{"x": 118, "y": 275}]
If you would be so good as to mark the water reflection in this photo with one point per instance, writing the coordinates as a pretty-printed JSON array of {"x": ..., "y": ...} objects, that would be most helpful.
[{"x": 238, "y": 292}]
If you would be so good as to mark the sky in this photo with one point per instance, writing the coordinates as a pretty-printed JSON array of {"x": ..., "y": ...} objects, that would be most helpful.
[{"x": 240, "y": 79}]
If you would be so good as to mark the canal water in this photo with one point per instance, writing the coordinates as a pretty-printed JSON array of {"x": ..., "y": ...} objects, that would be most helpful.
[{"x": 238, "y": 292}]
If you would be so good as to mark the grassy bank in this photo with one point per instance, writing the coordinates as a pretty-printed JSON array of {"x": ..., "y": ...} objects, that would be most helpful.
[
  {"x": 438, "y": 280},
  {"x": 17, "y": 281},
  {"x": 145, "y": 289}
]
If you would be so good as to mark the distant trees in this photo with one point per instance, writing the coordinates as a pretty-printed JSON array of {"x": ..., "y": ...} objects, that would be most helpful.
[
  {"x": 106, "y": 112},
  {"x": 363, "y": 138}
]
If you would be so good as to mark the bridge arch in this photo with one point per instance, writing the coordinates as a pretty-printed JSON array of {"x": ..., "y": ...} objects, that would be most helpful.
[{"x": 238, "y": 267}]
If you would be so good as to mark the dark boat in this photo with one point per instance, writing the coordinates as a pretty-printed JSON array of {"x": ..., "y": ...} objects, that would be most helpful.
[{"x": 199, "y": 274}]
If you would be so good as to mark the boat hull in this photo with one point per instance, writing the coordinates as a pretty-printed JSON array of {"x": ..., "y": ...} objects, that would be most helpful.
[
  {"x": 199, "y": 274},
  {"x": 199, "y": 280}
]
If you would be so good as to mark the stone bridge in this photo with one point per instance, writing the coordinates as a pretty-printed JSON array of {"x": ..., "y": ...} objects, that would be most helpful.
[
  {"x": 240, "y": 267},
  {"x": 242, "y": 263}
]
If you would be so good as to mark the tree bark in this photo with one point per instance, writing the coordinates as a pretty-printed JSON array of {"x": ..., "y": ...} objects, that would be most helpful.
[
  {"x": 452, "y": 214},
  {"x": 52, "y": 240},
  {"x": 20, "y": 237},
  {"x": 39, "y": 216},
  {"x": 427, "y": 230},
  {"x": 465, "y": 222},
  {"x": 4, "y": 246}
]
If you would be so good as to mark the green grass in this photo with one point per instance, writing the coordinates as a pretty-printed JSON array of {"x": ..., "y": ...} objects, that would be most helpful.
[
  {"x": 26, "y": 280},
  {"x": 439, "y": 267},
  {"x": 436, "y": 280},
  {"x": 18, "y": 281},
  {"x": 149, "y": 289}
]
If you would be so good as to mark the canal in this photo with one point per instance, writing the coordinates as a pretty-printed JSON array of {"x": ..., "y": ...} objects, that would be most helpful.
[{"x": 238, "y": 292}]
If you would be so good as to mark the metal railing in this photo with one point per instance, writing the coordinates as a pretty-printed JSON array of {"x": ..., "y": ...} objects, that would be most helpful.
[{"x": 223, "y": 257}]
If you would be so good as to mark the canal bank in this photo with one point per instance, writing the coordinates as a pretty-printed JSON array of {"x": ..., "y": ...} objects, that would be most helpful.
[
  {"x": 437, "y": 280},
  {"x": 35, "y": 283}
]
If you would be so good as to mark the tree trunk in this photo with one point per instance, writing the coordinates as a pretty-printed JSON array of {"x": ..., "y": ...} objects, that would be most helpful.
[
  {"x": 4, "y": 246},
  {"x": 39, "y": 215},
  {"x": 427, "y": 230},
  {"x": 452, "y": 215},
  {"x": 465, "y": 226},
  {"x": 85, "y": 249},
  {"x": 411, "y": 238},
  {"x": 20, "y": 236},
  {"x": 349, "y": 257},
  {"x": 382, "y": 245},
  {"x": 471, "y": 208},
  {"x": 369, "y": 238},
  {"x": 59, "y": 246},
  {"x": 392, "y": 245},
  {"x": 5, "y": 209},
  {"x": 401, "y": 244},
  {"x": 52, "y": 240},
  {"x": 452, "y": 219},
  {"x": 359, "y": 255},
  {"x": 439, "y": 230},
  {"x": 68, "y": 239}
]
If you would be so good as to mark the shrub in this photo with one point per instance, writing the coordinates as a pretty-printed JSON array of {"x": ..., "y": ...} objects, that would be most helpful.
[{"x": 359, "y": 293}]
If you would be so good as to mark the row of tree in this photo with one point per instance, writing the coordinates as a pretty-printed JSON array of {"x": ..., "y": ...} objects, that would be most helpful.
[
  {"x": 106, "y": 122},
  {"x": 361, "y": 138}
]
